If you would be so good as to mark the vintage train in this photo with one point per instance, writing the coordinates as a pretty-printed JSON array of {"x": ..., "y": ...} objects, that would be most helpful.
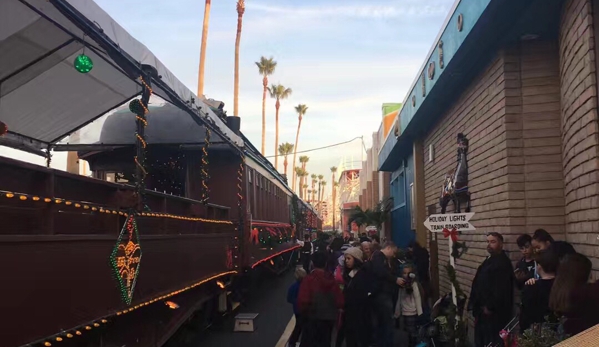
[
  {"x": 78, "y": 260},
  {"x": 180, "y": 210}
]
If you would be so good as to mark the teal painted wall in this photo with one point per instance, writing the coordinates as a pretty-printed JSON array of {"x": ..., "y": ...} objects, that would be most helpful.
[{"x": 471, "y": 11}]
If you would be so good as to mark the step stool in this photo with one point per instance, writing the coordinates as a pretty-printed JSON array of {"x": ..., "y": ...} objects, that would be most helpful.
[{"x": 245, "y": 322}]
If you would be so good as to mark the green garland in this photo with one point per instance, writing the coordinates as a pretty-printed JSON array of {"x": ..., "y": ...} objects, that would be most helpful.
[{"x": 540, "y": 335}]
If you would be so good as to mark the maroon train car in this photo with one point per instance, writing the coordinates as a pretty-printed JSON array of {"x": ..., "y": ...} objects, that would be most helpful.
[{"x": 60, "y": 236}]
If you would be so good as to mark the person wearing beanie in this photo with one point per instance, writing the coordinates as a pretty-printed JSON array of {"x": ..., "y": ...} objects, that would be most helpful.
[{"x": 356, "y": 321}]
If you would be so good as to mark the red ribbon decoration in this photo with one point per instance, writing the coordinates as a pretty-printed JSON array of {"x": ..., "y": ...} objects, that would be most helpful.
[{"x": 453, "y": 233}]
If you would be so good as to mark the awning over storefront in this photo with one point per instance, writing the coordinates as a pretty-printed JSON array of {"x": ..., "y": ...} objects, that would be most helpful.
[{"x": 43, "y": 97}]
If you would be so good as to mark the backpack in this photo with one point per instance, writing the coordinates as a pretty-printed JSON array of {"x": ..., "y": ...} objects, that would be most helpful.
[{"x": 323, "y": 307}]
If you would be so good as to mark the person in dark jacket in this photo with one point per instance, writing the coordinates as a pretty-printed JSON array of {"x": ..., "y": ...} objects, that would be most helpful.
[
  {"x": 420, "y": 258},
  {"x": 542, "y": 240},
  {"x": 306, "y": 253},
  {"x": 526, "y": 266},
  {"x": 491, "y": 298},
  {"x": 292, "y": 295},
  {"x": 535, "y": 296},
  {"x": 385, "y": 287},
  {"x": 356, "y": 320},
  {"x": 320, "y": 302}
]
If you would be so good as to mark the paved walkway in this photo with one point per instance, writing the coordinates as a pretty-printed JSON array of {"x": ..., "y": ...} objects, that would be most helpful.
[{"x": 274, "y": 314}]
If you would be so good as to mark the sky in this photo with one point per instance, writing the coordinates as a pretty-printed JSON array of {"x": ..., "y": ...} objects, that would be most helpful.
[{"x": 342, "y": 58}]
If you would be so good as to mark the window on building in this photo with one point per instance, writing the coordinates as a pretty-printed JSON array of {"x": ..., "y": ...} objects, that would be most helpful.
[{"x": 398, "y": 190}]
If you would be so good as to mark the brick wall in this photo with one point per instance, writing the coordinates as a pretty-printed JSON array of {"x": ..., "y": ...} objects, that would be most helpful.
[
  {"x": 533, "y": 139},
  {"x": 479, "y": 113},
  {"x": 580, "y": 127}
]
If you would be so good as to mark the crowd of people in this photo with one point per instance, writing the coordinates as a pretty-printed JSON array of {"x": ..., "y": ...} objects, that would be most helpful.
[
  {"x": 361, "y": 291},
  {"x": 358, "y": 290},
  {"x": 553, "y": 280}
]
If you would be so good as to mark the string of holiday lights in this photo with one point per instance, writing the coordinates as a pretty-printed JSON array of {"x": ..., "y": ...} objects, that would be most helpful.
[
  {"x": 126, "y": 258},
  {"x": 88, "y": 206},
  {"x": 239, "y": 228},
  {"x": 80, "y": 329},
  {"x": 139, "y": 107},
  {"x": 168, "y": 175},
  {"x": 204, "y": 172},
  {"x": 274, "y": 255}
]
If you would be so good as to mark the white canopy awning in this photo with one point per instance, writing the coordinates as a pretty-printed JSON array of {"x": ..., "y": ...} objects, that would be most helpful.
[{"x": 43, "y": 98}]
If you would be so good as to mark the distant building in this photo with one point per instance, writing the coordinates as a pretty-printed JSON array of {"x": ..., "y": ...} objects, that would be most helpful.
[
  {"x": 349, "y": 194},
  {"x": 374, "y": 185}
]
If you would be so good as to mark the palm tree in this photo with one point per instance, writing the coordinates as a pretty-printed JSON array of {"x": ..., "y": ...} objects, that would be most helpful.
[
  {"x": 303, "y": 160},
  {"x": 323, "y": 184},
  {"x": 203, "y": 48},
  {"x": 240, "y": 11},
  {"x": 301, "y": 111},
  {"x": 380, "y": 213},
  {"x": 320, "y": 177},
  {"x": 266, "y": 67},
  {"x": 359, "y": 216},
  {"x": 309, "y": 192},
  {"x": 301, "y": 173},
  {"x": 313, "y": 184},
  {"x": 278, "y": 92},
  {"x": 304, "y": 184},
  {"x": 298, "y": 173},
  {"x": 285, "y": 149},
  {"x": 377, "y": 216}
]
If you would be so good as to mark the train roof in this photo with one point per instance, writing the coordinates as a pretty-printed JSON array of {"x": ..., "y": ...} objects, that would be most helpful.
[{"x": 254, "y": 154}]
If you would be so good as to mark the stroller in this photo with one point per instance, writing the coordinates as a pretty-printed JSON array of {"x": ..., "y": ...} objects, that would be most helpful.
[{"x": 440, "y": 331}]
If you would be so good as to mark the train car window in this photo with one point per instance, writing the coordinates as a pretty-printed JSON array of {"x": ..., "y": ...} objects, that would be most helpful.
[
  {"x": 167, "y": 171},
  {"x": 250, "y": 176}
]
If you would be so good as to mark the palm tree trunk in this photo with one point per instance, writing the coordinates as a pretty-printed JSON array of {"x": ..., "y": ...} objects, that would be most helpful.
[
  {"x": 277, "y": 105},
  {"x": 334, "y": 207},
  {"x": 285, "y": 166},
  {"x": 318, "y": 196},
  {"x": 240, "y": 11},
  {"x": 264, "y": 84},
  {"x": 203, "y": 48},
  {"x": 295, "y": 148}
]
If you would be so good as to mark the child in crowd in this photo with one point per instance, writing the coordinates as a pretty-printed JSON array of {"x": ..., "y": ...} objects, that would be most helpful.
[
  {"x": 292, "y": 293},
  {"x": 535, "y": 296},
  {"x": 526, "y": 267},
  {"x": 410, "y": 303},
  {"x": 339, "y": 271}
]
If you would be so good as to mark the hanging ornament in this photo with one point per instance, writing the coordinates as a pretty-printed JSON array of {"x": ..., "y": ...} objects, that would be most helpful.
[
  {"x": 136, "y": 107},
  {"x": 3, "y": 128},
  {"x": 125, "y": 258},
  {"x": 83, "y": 63}
]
